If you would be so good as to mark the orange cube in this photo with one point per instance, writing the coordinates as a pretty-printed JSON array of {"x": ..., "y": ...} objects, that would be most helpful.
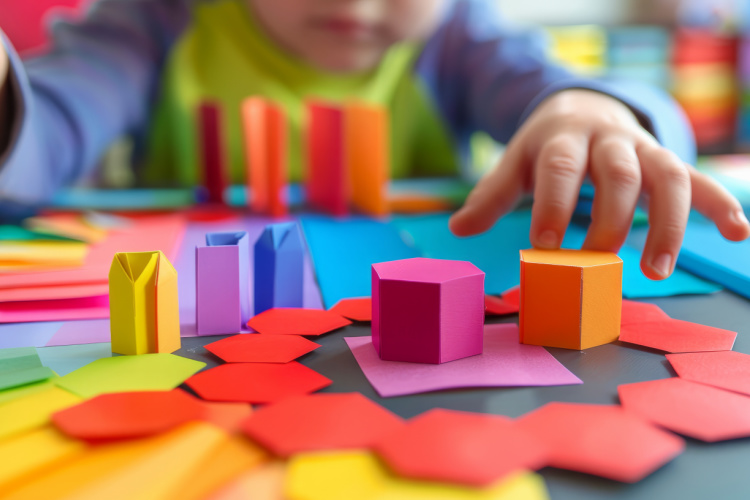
[{"x": 570, "y": 298}]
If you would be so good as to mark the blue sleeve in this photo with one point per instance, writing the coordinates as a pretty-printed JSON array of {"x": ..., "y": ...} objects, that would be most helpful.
[
  {"x": 95, "y": 84},
  {"x": 487, "y": 76}
]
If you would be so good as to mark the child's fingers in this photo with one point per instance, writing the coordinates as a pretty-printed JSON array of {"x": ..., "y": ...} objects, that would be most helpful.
[
  {"x": 493, "y": 196},
  {"x": 560, "y": 169},
  {"x": 667, "y": 181},
  {"x": 713, "y": 200}
]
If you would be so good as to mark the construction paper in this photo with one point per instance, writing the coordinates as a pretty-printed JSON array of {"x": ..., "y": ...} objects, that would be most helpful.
[
  {"x": 18, "y": 358},
  {"x": 265, "y": 136},
  {"x": 294, "y": 321},
  {"x": 71, "y": 226},
  {"x": 58, "y": 292},
  {"x": 228, "y": 416},
  {"x": 570, "y": 298},
  {"x": 144, "y": 310},
  {"x": 57, "y": 309},
  {"x": 122, "y": 199},
  {"x": 327, "y": 185},
  {"x": 33, "y": 411},
  {"x": 343, "y": 250},
  {"x": 68, "y": 358},
  {"x": 673, "y": 335},
  {"x": 27, "y": 334},
  {"x": 496, "y": 306},
  {"x": 279, "y": 267},
  {"x": 222, "y": 272},
  {"x": 18, "y": 233},
  {"x": 475, "y": 449},
  {"x": 512, "y": 296},
  {"x": 265, "y": 482},
  {"x": 366, "y": 129},
  {"x": 43, "y": 253},
  {"x": 504, "y": 363},
  {"x": 344, "y": 475},
  {"x": 319, "y": 422},
  {"x": 141, "y": 468},
  {"x": 728, "y": 370},
  {"x": 355, "y": 309},
  {"x": 145, "y": 372},
  {"x": 640, "y": 312},
  {"x": 256, "y": 382},
  {"x": 24, "y": 376},
  {"x": 127, "y": 415},
  {"x": 605, "y": 441},
  {"x": 211, "y": 144},
  {"x": 688, "y": 408},
  {"x": 261, "y": 348},
  {"x": 706, "y": 253},
  {"x": 81, "y": 332},
  {"x": 34, "y": 452},
  {"x": 427, "y": 310},
  {"x": 26, "y": 390}
]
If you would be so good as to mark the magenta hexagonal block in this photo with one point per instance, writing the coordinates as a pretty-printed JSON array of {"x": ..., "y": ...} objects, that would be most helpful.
[{"x": 427, "y": 310}]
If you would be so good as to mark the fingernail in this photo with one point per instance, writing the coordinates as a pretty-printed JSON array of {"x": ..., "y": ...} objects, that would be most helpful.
[
  {"x": 548, "y": 239},
  {"x": 740, "y": 217},
  {"x": 662, "y": 264}
]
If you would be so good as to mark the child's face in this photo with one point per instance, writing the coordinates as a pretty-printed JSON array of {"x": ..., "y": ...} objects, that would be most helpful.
[{"x": 345, "y": 35}]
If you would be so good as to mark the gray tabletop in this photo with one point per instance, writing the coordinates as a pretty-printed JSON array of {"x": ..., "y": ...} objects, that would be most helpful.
[{"x": 718, "y": 471}]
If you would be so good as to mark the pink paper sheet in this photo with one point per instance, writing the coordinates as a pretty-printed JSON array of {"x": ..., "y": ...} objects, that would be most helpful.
[
  {"x": 504, "y": 363},
  {"x": 81, "y": 332},
  {"x": 55, "y": 310}
]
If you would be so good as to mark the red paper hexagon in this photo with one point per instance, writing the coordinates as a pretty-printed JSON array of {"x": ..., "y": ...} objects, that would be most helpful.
[
  {"x": 640, "y": 312},
  {"x": 673, "y": 335},
  {"x": 512, "y": 296},
  {"x": 321, "y": 422},
  {"x": 495, "y": 306},
  {"x": 228, "y": 416},
  {"x": 468, "y": 448},
  {"x": 296, "y": 321},
  {"x": 354, "y": 309},
  {"x": 127, "y": 415},
  {"x": 256, "y": 382},
  {"x": 728, "y": 370},
  {"x": 602, "y": 440},
  {"x": 689, "y": 408},
  {"x": 253, "y": 348}
]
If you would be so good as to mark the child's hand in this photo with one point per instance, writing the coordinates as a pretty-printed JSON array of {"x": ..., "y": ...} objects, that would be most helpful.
[{"x": 576, "y": 133}]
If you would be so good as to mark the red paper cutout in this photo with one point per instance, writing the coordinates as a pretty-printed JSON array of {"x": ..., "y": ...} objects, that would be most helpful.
[
  {"x": 495, "y": 306},
  {"x": 252, "y": 348},
  {"x": 726, "y": 369},
  {"x": 468, "y": 448},
  {"x": 640, "y": 312},
  {"x": 512, "y": 296},
  {"x": 256, "y": 382},
  {"x": 673, "y": 335},
  {"x": 354, "y": 309},
  {"x": 321, "y": 422},
  {"x": 297, "y": 321},
  {"x": 228, "y": 416},
  {"x": 602, "y": 440},
  {"x": 689, "y": 408},
  {"x": 127, "y": 415}
]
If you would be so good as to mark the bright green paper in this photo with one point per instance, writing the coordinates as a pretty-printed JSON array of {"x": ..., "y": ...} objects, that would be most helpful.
[{"x": 16, "y": 378}]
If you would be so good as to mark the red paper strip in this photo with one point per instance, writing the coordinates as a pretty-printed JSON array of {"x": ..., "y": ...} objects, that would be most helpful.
[
  {"x": 496, "y": 306},
  {"x": 252, "y": 348},
  {"x": 297, "y": 321},
  {"x": 673, "y": 335},
  {"x": 213, "y": 162},
  {"x": 359, "y": 309},
  {"x": 640, "y": 312},
  {"x": 726, "y": 369},
  {"x": 327, "y": 182}
]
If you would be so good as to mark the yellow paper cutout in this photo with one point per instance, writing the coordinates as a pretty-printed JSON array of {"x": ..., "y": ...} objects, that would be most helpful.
[
  {"x": 47, "y": 253},
  {"x": 26, "y": 390},
  {"x": 32, "y": 411},
  {"x": 265, "y": 482}
]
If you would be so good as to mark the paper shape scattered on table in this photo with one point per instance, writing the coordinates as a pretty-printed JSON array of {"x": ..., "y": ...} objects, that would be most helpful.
[
  {"x": 212, "y": 153},
  {"x": 570, "y": 298},
  {"x": 640, "y": 312},
  {"x": 26, "y": 390},
  {"x": 81, "y": 332},
  {"x": 321, "y": 422},
  {"x": 33, "y": 411},
  {"x": 42, "y": 255},
  {"x": 497, "y": 306},
  {"x": 256, "y": 382},
  {"x": 18, "y": 233},
  {"x": 368, "y": 155},
  {"x": 28, "y": 334},
  {"x": 688, "y": 408},
  {"x": 727, "y": 370},
  {"x": 355, "y": 309},
  {"x": 65, "y": 359},
  {"x": 55, "y": 310},
  {"x": 327, "y": 185},
  {"x": 227, "y": 415},
  {"x": 427, "y": 310},
  {"x": 279, "y": 267},
  {"x": 144, "y": 310},
  {"x": 222, "y": 286},
  {"x": 294, "y": 321},
  {"x": 147, "y": 372},
  {"x": 127, "y": 415},
  {"x": 504, "y": 363},
  {"x": 602, "y": 440},
  {"x": 673, "y": 335},
  {"x": 21, "y": 366},
  {"x": 434, "y": 446},
  {"x": 66, "y": 225},
  {"x": 265, "y": 481},
  {"x": 261, "y": 348},
  {"x": 264, "y": 129}
]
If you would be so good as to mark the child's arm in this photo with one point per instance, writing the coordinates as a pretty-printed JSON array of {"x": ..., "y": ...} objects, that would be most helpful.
[{"x": 96, "y": 83}]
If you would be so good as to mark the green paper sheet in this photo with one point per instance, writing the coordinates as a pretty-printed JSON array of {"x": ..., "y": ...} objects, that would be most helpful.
[
  {"x": 18, "y": 358},
  {"x": 26, "y": 390},
  {"x": 17, "y": 378},
  {"x": 18, "y": 233}
]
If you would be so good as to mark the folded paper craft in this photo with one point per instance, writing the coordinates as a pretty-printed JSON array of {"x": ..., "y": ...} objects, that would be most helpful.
[
  {"x": 279, "y": 264},
  {"x": 368, "y": 156},
  {"x": 570, "y": 298},
  {"x": 427, "y": 310},
  {"x": 144, "y": 314},
  {"x": 212, "y": 151},
  {"x": 222, "y": 288},
  {"x": 327, "y": 186}
]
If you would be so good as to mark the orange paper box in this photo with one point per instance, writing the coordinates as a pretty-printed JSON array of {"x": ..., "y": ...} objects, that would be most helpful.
[
  {"x": 570, "y": 298},
  {"x": 368, "y": 156}
]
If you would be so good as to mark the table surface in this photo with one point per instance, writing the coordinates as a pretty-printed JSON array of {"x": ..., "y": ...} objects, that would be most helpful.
[{"x": 702, "y": 471}]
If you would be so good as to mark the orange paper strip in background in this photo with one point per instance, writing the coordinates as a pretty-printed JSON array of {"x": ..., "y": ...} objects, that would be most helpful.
[{"x": 368, "y": 156}]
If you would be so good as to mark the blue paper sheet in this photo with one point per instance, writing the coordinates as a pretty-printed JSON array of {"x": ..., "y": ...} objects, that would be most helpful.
[
  {"x": 68, "y": 358},
  {"x": 27, "y": 334}
]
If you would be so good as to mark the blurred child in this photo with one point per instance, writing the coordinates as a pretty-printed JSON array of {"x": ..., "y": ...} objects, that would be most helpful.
[{"x": 444, "y": 69}]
